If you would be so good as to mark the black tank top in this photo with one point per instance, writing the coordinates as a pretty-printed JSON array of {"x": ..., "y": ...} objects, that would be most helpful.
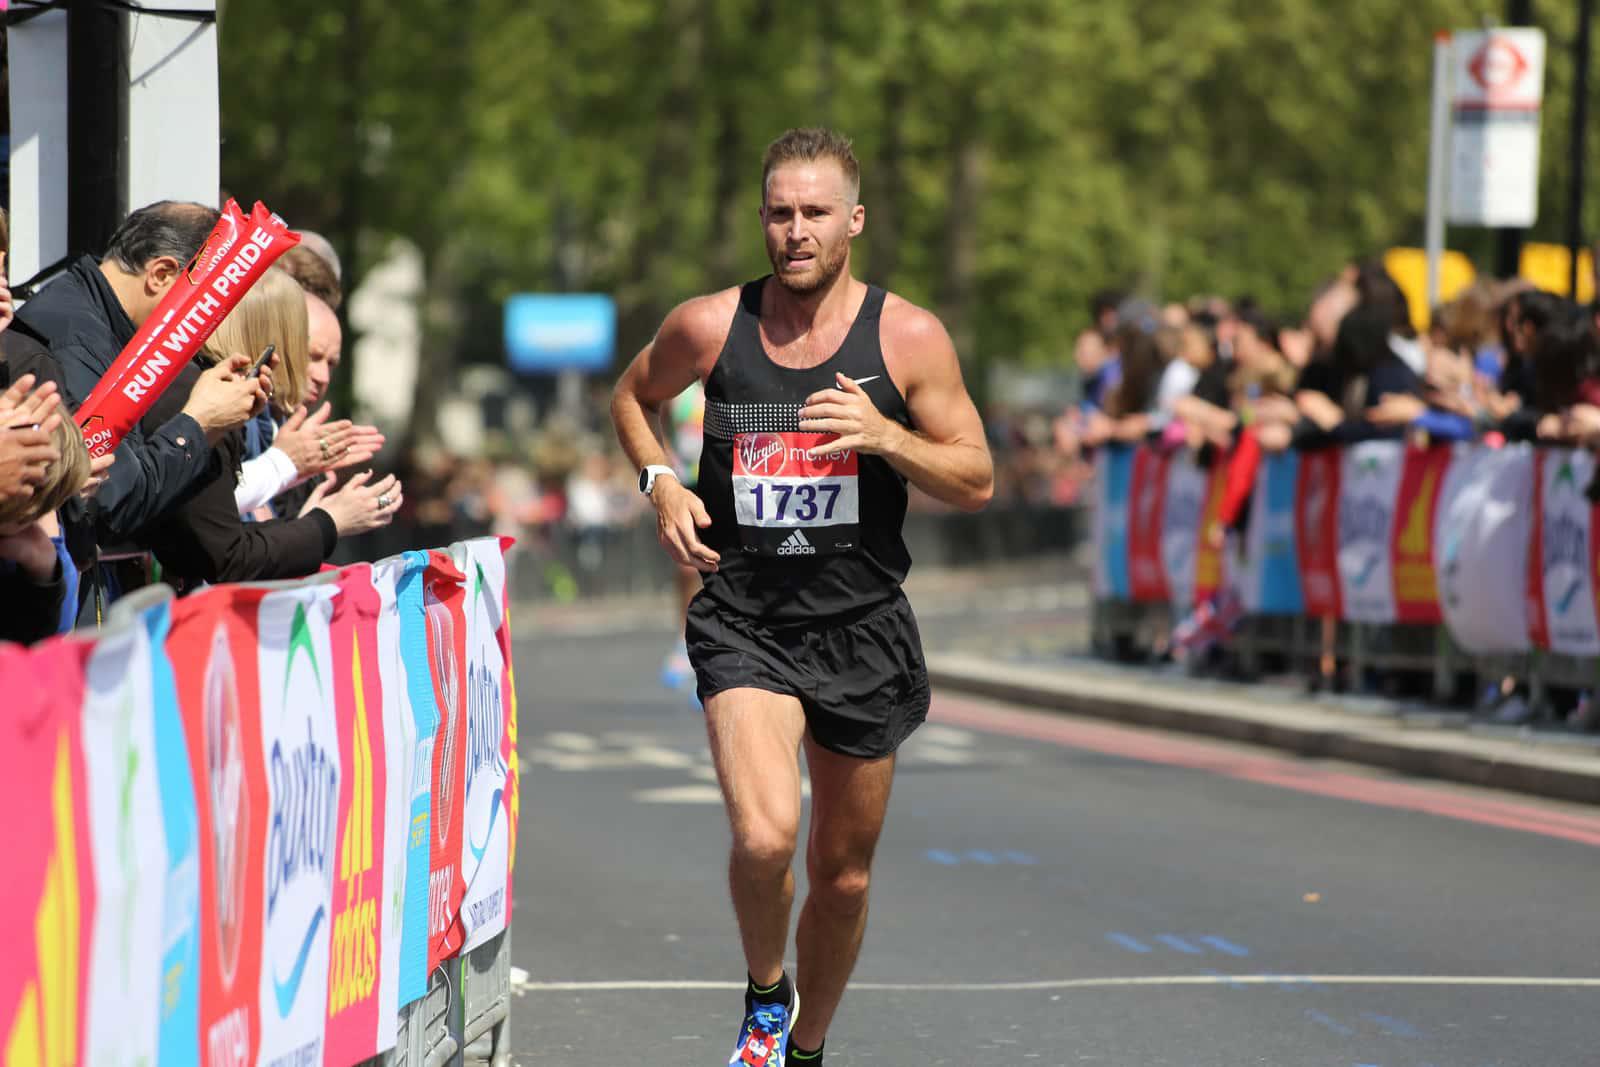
[{"x": 801, "y": 539}]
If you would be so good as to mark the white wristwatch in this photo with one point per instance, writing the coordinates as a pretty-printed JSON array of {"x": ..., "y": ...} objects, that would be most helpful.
[{"x": 648, "y": 476}]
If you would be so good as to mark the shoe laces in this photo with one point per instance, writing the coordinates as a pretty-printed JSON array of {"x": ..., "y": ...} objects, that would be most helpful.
[{"x": 770, "y": 1018}]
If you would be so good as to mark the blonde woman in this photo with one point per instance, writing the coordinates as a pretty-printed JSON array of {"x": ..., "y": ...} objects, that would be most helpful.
[
  {"x": 286, "y": 445},
  {"x": 204, "y": 540}
]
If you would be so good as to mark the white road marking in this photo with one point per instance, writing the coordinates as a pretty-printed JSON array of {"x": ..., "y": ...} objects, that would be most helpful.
[
  {"x": 573, "y": 742},
  {"x": 1483, "y": 981},
  {"x": 946, "y": 735},
  {"x": 680, "y": 794}
]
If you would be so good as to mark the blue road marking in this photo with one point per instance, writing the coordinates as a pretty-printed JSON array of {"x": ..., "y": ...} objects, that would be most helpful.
[
  {"x": 1225, "y": 946},
  {"x": 1180, "y": 944},
  {"x": 985, "y": 858},
  {"x": 1328, "y": 1021},
  {"x": 939, "y": 855},
  {"x": 1124, "y": 941},
  {"x": 1392, "y": 1026}
]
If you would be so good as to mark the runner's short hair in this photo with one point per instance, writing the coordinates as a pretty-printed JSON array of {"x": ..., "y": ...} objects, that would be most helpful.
[{"x": 807, "y": 145}]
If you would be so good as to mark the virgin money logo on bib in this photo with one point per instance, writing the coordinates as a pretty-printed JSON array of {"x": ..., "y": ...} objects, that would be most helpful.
[{"x": 761, "y": 453}]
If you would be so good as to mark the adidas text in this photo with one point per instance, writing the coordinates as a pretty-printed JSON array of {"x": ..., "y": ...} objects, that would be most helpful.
[{"x": 796, "y": 545}]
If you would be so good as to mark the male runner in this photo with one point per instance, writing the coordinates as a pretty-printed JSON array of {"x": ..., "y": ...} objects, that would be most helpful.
[{"x": 824, "y": 396}]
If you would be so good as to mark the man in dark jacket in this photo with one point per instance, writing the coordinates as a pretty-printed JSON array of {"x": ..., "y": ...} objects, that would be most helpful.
[{"x": 89, "y": 314}]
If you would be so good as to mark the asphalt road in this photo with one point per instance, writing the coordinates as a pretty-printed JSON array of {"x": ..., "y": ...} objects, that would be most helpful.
[{"x": 1050, "y": 891}]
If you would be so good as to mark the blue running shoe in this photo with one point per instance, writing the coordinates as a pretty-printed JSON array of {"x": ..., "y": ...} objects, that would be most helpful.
[
  {"x": 764, "y": 1037},
  {"x": 676, "y": 670}
]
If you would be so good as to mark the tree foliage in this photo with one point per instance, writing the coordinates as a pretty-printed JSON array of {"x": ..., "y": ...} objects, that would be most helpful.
[{"x": 1016, "y": 154}]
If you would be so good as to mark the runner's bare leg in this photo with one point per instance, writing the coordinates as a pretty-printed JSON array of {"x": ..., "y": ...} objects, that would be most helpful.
[
  {"x": 849, "y": 798},
  {"x": 755, "y": 744}
]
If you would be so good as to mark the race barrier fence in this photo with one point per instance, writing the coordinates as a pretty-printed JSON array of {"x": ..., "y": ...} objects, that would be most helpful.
[
  {"x": 268, "y": 823},
  {"x": 1449, "y": 558}
]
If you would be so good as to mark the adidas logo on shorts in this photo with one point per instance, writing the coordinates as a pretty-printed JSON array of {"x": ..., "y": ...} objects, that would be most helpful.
[{"x": 796, "y": 545}]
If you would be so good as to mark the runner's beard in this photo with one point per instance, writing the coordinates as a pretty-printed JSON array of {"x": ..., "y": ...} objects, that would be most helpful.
[{"x": 825, "y": 268}]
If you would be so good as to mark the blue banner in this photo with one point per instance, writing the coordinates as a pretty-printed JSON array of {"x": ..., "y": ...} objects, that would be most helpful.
[
  {"x": 556, "y": 332},
  {"x": 1279, "y": 559},
  {"x": 1114, "y": 521},
  {"x": 425, "y": 713},
  {"x": 180, "y": 939}
]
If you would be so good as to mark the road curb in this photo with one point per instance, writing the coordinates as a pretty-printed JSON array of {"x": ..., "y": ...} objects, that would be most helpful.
[{"x": 1312, "y": 733}]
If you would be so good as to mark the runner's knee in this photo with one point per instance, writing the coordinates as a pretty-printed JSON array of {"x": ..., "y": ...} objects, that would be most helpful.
[
  {"x": 840, "y": 889},
  {"x": 764, "y": 848}
]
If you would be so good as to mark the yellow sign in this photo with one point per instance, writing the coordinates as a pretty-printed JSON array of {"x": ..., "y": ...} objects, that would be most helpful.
[
  {"x": 1409, "y": 268},
  {"x": 1547, "y": 266}
]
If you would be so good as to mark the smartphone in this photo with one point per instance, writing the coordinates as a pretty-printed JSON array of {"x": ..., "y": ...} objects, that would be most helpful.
[{"x": 266, "y": 354}]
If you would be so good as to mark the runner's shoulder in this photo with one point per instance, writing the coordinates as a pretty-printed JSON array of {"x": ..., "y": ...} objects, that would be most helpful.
[
  {"x": 700, "y": 324},
  {"x": 912, "y": 337}
]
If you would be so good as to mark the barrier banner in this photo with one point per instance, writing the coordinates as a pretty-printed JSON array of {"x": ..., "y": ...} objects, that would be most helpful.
[
  {"x": 47, "y": 896},
  {"x": 1113, "y": 471},
  {"x": 513, "y": 770},
  {"x": 1270, "y": 573},
  {"x": 1485, "y": 522},
  {"x": 1561, "y": 605},
  {"x": 299, "y": 735},
  {"x": 212, "y": 648},
  {"x": 1416, "y": 586},
  {"x": 407, "y": 573},
  {"x": 1316, "y": 526},
  {"x": 1180, "y": 526},
  {"x": 443, "y": 598},
  {"x": 1369, "y": 480},
  {"x": 127, "y": 843},
  {"x": 486, "y": 857},
  {"x": 179, "y": 976},
  {"x": 1147, "y": 580},
  {"x": 1210, "y": 556},
  {"x": 352, "y": 1024},
  {"x": 399, "y": 757}
]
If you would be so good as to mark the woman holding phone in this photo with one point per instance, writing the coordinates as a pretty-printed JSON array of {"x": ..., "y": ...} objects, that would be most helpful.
[{"x": 205, "y": 540}]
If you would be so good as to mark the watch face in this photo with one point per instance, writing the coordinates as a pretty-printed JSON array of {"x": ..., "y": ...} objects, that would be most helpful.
[{"x": 644, "y": 481}]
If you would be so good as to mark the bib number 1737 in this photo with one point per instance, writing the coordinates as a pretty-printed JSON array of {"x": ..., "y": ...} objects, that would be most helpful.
[
  {"x": 778, "y": 489},
  {"x": 807, "y": 502}
]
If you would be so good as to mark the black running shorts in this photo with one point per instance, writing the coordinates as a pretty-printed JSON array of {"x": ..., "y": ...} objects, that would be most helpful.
[{"x": 862, "y": 682}]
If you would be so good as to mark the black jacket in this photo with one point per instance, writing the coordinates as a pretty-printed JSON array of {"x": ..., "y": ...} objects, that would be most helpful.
[
  {"x": 204, "y": 540},
  {"x": 80, "y": 318}
]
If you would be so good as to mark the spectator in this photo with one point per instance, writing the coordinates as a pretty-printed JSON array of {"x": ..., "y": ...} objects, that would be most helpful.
[
  {"x": 89, "y": 314},
  {"x": 203, "y": 540},
  {"x": 285, "y": 446},
  {"x": 1093, "y": 351},
  {"x": 43, "y": 463}
]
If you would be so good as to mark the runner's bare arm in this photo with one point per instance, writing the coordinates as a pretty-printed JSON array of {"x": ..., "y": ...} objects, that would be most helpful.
[
  {"x": 945, "y": 455},
  {"x": 681, "y": 352}
]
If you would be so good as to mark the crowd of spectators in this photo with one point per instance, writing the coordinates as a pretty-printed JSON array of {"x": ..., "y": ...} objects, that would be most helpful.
[
  {"x": 1501, "y": 361},
  {"x": 238, "y": 472}
]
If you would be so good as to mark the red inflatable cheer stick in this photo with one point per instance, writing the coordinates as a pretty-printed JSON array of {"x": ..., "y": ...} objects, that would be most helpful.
[{"x": 237, "y": 253}]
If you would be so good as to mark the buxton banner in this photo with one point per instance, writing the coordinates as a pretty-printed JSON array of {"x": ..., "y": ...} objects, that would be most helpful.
[
  {"x": 299, "y": 736},
  {"x": 486, "y": 854}
]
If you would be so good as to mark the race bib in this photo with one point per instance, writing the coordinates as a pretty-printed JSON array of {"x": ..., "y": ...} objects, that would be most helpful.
[{"x": 789, "y": 504}]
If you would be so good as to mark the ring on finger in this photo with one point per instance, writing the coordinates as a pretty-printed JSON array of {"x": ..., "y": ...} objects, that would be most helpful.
[
  {"x": 383, "y": 501},
  {"x": 322, "y": 444}
]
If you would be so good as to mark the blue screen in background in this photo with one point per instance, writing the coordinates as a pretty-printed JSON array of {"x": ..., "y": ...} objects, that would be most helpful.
[{"x": 555, "y": 332}]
